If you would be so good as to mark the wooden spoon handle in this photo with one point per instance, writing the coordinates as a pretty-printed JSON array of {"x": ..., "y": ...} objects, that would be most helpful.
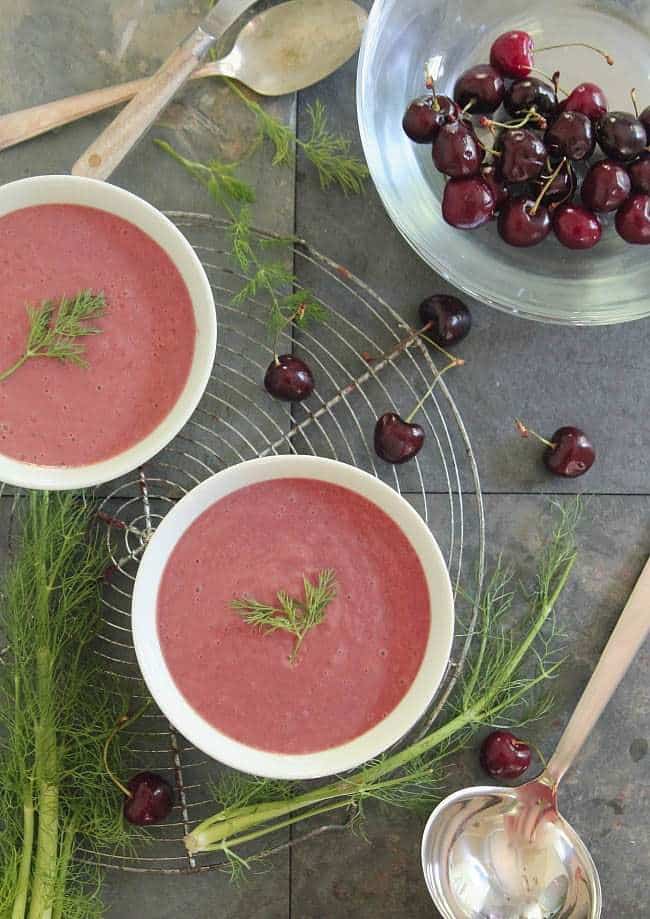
[
  {"x": 31, "y": 122},
  {"x": 629, "y": 634}
]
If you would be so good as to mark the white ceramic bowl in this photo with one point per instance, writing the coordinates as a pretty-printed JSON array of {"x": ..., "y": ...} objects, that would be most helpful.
[
  {"x": 179, "y": 711},
  {"x": 62, "y": 189}
]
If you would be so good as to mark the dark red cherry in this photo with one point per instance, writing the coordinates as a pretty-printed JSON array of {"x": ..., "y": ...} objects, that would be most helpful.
[
  {"x": 560, "y": 189},
  {"x": 606, "y": 186},
  {"x": 456, "y": 151},
  {"x": 644, "y": 118},
  {"x": 621, "y": 136},
  {"x": 450, "y": 319},
  {"x": 523, "y": 155},
  {"x": 639, "y": 172},
  {"x": 425, "y": 116},
  {"x": 570, "y": 135},
  {"x": 523, "y": 95},
  {"x": 503, "y": 756},
  {"x": 152, "y": 799},
  {"x": 570, "y": 453},
  {"x": 521, "y": 225},
  {"x": 496, "y": 185},
  {"x": 576, "y": 227},
  {"x": 633, "y": 220},
  {"x": 288, "y": 378},
  {"x": 512, "y": 54},
  {"x": 588, "y": 99},
  {"x": 396, "y": 440},
  {"x": 467, "y": 203},
  {"x": 481, "y": 89}
]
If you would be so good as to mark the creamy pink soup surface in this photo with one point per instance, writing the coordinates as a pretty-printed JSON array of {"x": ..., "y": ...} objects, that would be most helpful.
[
  {"x": 352, "y": 669},
  {"x": 57, "y": 414}
]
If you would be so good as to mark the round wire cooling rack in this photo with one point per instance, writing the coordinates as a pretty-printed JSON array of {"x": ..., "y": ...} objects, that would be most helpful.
[{"x": 367, "y": 360}]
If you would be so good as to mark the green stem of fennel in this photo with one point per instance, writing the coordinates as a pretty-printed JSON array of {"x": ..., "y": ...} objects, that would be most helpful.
[
  {"x": 215, "y": 830},
  {"x": 14, "y": 367},
  {"x": 65, "y": 857},
  {"x": 22, "y": 887}
]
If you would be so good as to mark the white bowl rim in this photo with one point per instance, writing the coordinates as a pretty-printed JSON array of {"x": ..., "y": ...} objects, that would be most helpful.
[
  {"x": 193, "y": 726},
  {"x": 66, "y": 189}
]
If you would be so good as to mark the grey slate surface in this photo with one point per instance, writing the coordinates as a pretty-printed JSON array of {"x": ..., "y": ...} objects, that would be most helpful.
[{"x": 548, "y": 375}]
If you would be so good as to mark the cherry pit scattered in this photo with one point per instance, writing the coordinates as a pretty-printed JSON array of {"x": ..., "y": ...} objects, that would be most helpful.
[{"x": 543, "y": 153}]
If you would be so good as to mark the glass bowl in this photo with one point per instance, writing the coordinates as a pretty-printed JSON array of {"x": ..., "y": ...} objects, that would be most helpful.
[{"x": 610, "y": 283}]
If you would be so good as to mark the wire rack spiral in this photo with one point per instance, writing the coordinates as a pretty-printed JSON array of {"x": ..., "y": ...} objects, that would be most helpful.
[{"x": 367, "y": 360}]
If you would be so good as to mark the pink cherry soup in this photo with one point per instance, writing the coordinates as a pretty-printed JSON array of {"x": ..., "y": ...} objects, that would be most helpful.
[
  {"x": 57, "y": 414},
  {"x": 351, "y": 670}
]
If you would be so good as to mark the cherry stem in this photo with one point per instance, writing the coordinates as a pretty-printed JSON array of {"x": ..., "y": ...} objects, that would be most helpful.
[
  {"x": 579, "y": 44},
  {"x": 450, "y": 357},
  {"x": 634, "y": 102},
  {"x": 553, "y": 176},
  {"x": 469, "y": 105},
  {"x": 456, "y": 362},
  {"x": 540, "y": 755},
  {"x": 120, "y": 724},
  {"x": 531, "y": 114},
  {"x": 430, "y": 83},
  {"x": 554, "y": 79},
  {"x": 528, "y": 432},
  {"x": 487, "y": 149}
]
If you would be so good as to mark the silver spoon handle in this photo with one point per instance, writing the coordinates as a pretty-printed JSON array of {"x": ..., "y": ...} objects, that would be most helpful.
[
  {"x": 17, "y": 127},
  {"x": 629, "y": 634}
]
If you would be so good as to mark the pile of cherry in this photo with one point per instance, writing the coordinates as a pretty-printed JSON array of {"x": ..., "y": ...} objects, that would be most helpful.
[{"x": 541, "y": 158}]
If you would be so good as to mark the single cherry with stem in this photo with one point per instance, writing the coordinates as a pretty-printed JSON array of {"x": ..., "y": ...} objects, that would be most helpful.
[
  {"x": 588, "y": 99},
  {"x": 289, "y": 378},
  {"x": 397, "y": 440},
  {"x": 426, "y": 115},
  {"x": 513, "y": 53},
  {"x": 446, "y": 320},
  {"x": 481, "y": 88},
  {"x": 633, "y": 220},
  {"x": 504, "y": 756},
  {"x": 570, "y": 135},
  {"x": 639, "y": 172},
  {"x": 621, "y": 135},
  {"x": 523, "y": 155},
  {"x": 528, "y": 94},
  {"x": 467, "y": 203},
  {"x": 606, "y": 186},
  {"x": 456, "y": 151},
  {"x": 526, "y": 222},
  {"x": 148, "y": 797},
  {"x": 569, "y": 453},
  {"x": 576, "y": 227}
]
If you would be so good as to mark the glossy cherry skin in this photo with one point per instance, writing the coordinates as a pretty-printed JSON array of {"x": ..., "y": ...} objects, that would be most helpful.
[
  {"x": 523, "y": 155},
  {"x": 644, "y": 118},
  {"x": 621, "y": 136},
  {"x": 606, "y": 186},
  {"x": 561, "y": 188},
  {"x": 450, "y": 319},
  {"x": 152, "y": 801},
  {"x": 588, "y": 99},
  {"x": 523, "y": 95},
  {"x": 456, "y": 152},
  {"x": 639, "y": 172},
  {"x": 571, "y": 135},
  {"x": 422, "y": 120},
  {"x": 503, "y": 756},
  {"x": 289, "y": 379},
  {"x": 519, "y": 226},
  {"x": 496, "y": 185},
  {"x": 467, "y": 203},
  {"x": 482, "y": 86},
  {"x": 397, "y": 441},
  {"x": 512, "y": 54},
  {"x": 571, "y": 455},
  {"x": 633, "y": 220},
  {"x": 576, "y": 227}
]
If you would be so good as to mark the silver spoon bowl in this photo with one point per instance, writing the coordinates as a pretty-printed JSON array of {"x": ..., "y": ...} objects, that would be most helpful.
[{"x": 507, "y": 853}]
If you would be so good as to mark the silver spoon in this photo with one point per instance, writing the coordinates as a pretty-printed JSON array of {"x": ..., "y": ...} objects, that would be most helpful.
[
  {"x": 280, "y": 51},
  {"x": 507, "y": 853}
]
